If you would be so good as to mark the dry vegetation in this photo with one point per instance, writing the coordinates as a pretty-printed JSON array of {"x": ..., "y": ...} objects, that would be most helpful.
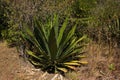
[
  {"x": 12, "y": 67},
  {"x": 103, "y": 64}
]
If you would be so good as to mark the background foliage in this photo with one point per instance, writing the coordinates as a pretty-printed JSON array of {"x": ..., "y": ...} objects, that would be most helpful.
[
  {"x": 93, "y": 16},
  {"x": 3, "y": 16}
]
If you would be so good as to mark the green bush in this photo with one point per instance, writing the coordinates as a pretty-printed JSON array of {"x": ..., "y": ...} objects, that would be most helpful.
[
  {"x": 3, "y": 16},
  {"x": 81, "y": 12},
  {"x": 16, "y": 14}
]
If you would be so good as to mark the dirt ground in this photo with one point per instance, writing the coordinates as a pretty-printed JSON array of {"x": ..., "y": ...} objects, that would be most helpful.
[
  {"x": 9, "y": 63},
  {"x": 13, "y": 67}
]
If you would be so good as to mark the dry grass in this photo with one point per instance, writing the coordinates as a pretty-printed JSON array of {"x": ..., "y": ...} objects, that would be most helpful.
[
  {"x": 100, "y": 59},
  {"x": 104, "y": 64}
]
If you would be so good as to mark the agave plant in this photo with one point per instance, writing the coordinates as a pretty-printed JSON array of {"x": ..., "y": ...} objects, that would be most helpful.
[{"x": 55, "y": 48}]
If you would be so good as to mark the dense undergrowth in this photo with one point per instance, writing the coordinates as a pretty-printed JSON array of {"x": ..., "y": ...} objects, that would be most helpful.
[{"x": 101, "y": 18}]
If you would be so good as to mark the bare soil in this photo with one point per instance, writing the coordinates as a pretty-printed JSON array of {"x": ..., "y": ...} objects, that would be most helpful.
[
  {"x": 13, "y": 67},
  {"x": 9, "y": 63}
]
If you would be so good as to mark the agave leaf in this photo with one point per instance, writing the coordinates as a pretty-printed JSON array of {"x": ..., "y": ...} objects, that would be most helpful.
[
  {"x": 42, "y": 35},
  {"x": 82, "y": 38},
  {"x": 30, "y": 38},
  {"x": 71, "y": 52},
  {"x": 62, "y": 69},
  {"x": 35, "y": 42},
  {"x": 75, "y": 61},
  {"x": 39, "y": 39},
  {"x": 32, "y": 54},
  {"x": 68, "y": 50},
  {"x": 83, "y": 62},
  {"x": 28, "y": 34},
  {"x": 81, "y": 56},
  {"x": 47, "y": 29},
  {"x": 62, "y": 29},
  {"x": 42, "y": 60},
  {"x": 73, "y": 40},
  {"x": 44, "y": 31},
  {"x": 39, "y": 27},
  {"x": 72, "y": 63},
  {"x": 52, "y": 44},
  {"x": 76, "y": 51},
  {"x": 74, "y": 43},
  {"x": 66, "y": 46},
  {"x": 35, "y": 63},
  {"x": 71, "y": 49},
  {"x": 70, "y": 34},
  {"x": 56, "y": 25},
  {"x": 71, "y": 67}
]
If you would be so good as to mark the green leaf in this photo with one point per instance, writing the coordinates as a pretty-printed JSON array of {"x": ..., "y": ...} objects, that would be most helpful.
[
  {"x": 32, "y": 54},
  {"x": 63, "y": 69},
  {"x": 71, "y": 67},
  {"x": 81, "y": 56},
  {"x": 72, "y": 49},
  {"x": 56, "y": 25},
  {"x": 62, "y": 29},
  {"x": 69, "y": 36},
  {"x": 72, "y": 63},
  {"x": 42, "y": 35},
  {"x": 52, "y": 44},
  {"x": 35, "y": 63},
  {"x": 83, "y": 62}
]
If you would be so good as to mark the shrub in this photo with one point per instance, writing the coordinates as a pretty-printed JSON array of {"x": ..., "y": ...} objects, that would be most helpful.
[
  {"x": 81, "y": 12},
  {"x": 3, "y": 16},
  {"x": 16, "y": 14},
  {"x": 53, "y": 49}
]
